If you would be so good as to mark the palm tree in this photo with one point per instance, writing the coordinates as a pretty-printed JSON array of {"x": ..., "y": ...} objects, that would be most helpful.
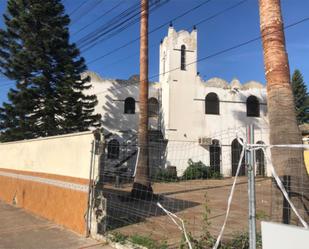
[
  {"x": 288, "y": 163},
  {"x": 142, "y": 185}
]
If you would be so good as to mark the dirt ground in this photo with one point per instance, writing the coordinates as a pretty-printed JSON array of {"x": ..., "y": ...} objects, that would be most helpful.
[{"x": 187, "y": 199}]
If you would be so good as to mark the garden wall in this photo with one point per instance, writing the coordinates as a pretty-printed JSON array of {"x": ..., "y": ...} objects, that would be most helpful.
[{"x": 49, "y": 177}]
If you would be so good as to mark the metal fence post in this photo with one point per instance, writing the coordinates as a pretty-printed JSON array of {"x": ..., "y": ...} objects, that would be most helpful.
[{"x": 251, "y": 188}]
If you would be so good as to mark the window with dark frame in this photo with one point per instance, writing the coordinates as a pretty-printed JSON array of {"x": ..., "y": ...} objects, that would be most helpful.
[
  {"x": 113, "y": 149},
  {"x": 183, "y": 58},
  {"x": 129, "y": 105},
  {"x": 253, "y": 106},
  {"x": 212, "y": 105}
]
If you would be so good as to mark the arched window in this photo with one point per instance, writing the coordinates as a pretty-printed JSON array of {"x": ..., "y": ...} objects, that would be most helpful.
[
  {"x": 253, "y": 106},
  {"x": 113, "y": 149},
  {"x": 236, "y": 149},
  {"x": 183, "y": 57},
  {"x": 212, "y": 104},
  {"x": 153, "y": 107},
  {"x": 129, "y": 105},
  {"x": 215, "y": 155}
]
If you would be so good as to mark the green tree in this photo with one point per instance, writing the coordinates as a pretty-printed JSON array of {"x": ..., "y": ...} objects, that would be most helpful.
[
  {"x": 35, "y": 52},
  {"x": 300, "y": 97}
]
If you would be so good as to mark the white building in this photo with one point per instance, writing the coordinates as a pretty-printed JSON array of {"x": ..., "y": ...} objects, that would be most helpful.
[{"x": 189, "y": 118}]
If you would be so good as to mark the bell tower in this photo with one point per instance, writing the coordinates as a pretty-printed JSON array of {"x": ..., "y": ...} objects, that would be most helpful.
[
  {"x": 178, "y": 72},
  {"x": 178, "y": 53}
]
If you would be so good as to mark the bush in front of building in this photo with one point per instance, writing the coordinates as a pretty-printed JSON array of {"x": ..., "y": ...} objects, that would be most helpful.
[
  {"x": 168, "y": 174},
  {"x": 195, "y": 170},
  {"x": 198, "y": 170}
]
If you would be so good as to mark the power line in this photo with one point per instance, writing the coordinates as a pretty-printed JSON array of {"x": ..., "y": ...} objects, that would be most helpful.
[
  {"x": 114, "y": 21},
  {"x": 196, "y": 24},
  {"x": 212, "y": 55},
  {"x": 100, "y": 17},
  {"x": 112, "y": 32},
  {"x": 155, "y": 29},
  {"x": 123, "y": 12},
  {"x": 77, "y": 8},
  {"x": 87, "y": 10}
]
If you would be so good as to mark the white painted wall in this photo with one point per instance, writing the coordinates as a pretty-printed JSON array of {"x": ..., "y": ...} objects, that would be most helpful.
[
  {"x": 182, "y": 94},
  {"x": 111, "y": 94},
  {"x": 66, "y": 155},
  {"x": 183, "y": 105}
]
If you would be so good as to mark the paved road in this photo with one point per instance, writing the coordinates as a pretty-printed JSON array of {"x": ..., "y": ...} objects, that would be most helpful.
[{"x": 21, "y": 230}]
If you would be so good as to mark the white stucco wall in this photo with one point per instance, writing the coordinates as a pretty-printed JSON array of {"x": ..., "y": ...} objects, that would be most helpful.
[
  {"x": 183, "y": 105},
  {"x": 181, "y": 94},
  {"x": 111, "y": 94},
  {"x": 66, "y": 155}
]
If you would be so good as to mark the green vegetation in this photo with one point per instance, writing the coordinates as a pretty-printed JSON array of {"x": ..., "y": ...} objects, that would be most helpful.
[
  {"x": 147, "y": 242},
  {"x": 207, "y": 241},
  {"x": 198, "y": 170},
  {"x": 301, "y": 97},
  {"x": 119, "y": 238},
  {"x": 136, "y": 239},
  {"x": 241, "y": 241},
  {"x": 49, "y": 94},
  {"x": 165, "y": 175},
  {"x": 195, "y": 170},
  {"x": 261, "y": 215}
]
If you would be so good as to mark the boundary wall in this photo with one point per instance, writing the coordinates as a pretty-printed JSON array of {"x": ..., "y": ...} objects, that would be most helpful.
[{"x": 50, "y": 177}]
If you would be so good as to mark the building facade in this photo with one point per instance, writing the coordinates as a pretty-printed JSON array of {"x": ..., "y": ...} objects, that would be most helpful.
[{"x": 190, "y": 118}]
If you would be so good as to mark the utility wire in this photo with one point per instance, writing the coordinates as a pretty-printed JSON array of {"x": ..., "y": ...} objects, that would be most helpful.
[
  {"x": 110, "y": 29},
  {"x": 306, "y": 19},
  {"x": 77, "y": 8},
  {"x": 99, "y": 18},
  {"x": 163, "y": 25},
  {"x": 112, "y": 32},
  {"x": 155, "y": 29},
  {"x": 115, "y": 20},
  {"x": 212, "y": 55},
  {"x": 87, "y": 11}
]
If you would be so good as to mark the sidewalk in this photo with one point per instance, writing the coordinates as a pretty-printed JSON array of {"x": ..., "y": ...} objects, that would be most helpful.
[{"x": 22, "y": 230}]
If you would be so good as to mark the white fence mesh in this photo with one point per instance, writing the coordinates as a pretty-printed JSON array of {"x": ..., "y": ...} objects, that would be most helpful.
[{"x": 193, "y": 180}]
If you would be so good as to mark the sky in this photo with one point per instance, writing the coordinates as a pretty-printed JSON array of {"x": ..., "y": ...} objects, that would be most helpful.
[{"x": 231, "y": 28}]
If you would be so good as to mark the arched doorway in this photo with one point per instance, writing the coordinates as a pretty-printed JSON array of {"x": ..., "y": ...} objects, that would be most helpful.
[
  {"x": 153, "y": 107},
  {"x": 113, "y": 149},
  {"x": 215, "y": 155},
  {"x": 260, "y": 161},
  {"x": 236, "y": 149}
]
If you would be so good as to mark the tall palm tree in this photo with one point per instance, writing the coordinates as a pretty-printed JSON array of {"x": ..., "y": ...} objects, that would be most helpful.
[
  {"x": 142, "y": 185},
  {"x": 288, "y": 163}
]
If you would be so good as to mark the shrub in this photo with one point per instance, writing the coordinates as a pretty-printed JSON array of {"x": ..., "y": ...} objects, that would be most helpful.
[
  {"x": 214, "y": 174},
  {"x": 195, "y": 170},
  {"x": 198, "y": 170},
  {"x": 241, "y": 241},
  {"x": 166, "y": 175}
]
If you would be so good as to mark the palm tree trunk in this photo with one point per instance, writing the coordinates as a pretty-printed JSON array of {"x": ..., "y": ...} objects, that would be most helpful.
[
  {"x": 142, "y": 185},
  {"x": 288, "y": 163}
]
